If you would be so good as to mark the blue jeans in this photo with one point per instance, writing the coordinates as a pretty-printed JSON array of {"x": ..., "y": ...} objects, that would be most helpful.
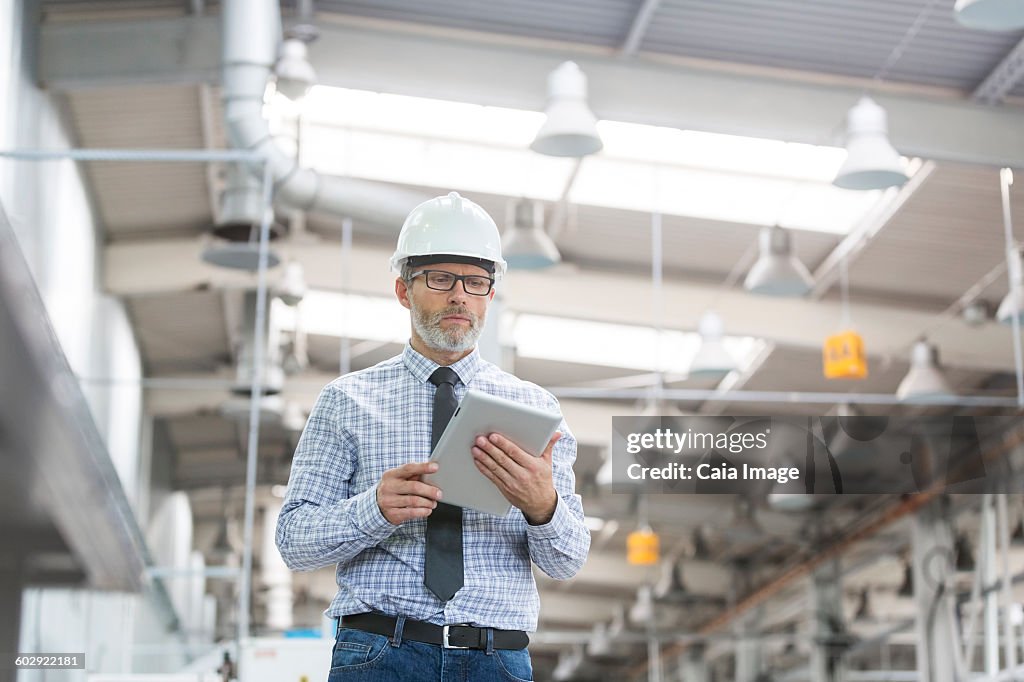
[{"x": 366, "y": 657}]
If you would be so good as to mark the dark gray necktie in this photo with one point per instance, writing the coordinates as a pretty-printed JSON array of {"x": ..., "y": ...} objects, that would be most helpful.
[{"x": 442, "y": 570}]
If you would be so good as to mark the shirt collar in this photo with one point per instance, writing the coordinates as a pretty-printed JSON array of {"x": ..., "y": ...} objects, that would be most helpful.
[{"x": 422, "y": 367}]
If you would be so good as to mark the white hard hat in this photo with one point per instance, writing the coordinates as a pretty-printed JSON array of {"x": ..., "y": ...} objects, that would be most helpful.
[{"x": 450, "y": 226}]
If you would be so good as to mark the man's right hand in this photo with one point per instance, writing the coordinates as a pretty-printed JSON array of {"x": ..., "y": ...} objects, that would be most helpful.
[{"x": 402, "y": 496}]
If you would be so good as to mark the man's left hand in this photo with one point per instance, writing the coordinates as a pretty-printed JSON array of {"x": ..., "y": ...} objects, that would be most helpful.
[{"x": 523, "y": 479}]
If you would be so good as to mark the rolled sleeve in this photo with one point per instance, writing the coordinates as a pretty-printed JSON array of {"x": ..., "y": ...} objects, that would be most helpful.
[
  {"x": 560, "y": 546},
  {"x": 368, "y": 518}
]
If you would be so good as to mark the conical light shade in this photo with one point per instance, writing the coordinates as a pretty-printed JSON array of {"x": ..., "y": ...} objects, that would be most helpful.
[
  {"x": 525, "y": 245},
  {"x": 570, "y": 128},
  {"x": 1013, "y": 303},
  {"x": 712, "y": 358},
  {"x": 925, "y": 378},
  {"x": 871, "y": 161},
  {"x": 991, "y": 15},
  {"x": 295, "y": 75},
  {"x": 777, "y": 271}
]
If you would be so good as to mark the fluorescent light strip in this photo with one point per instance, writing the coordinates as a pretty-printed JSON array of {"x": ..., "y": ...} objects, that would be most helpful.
[{"x": 534, "y": 336}]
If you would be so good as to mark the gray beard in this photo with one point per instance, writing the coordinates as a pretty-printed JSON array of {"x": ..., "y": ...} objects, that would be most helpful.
[{"x": 453, "y": 340}]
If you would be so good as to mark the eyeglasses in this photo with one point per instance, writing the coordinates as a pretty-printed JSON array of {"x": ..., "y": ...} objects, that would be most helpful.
[{"x": 441, "y": 280}]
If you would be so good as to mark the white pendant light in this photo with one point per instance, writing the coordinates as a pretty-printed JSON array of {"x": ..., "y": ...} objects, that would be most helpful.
[
  {"x": 712, "y": 358},
  {"x": 871, "y": 161},
  {"x": 642, "y": 610},
  {"x": 1013, "y": 303},
  {"x": 525, "y": 245},
  {"x": 925, "y": 378},
  {"x": 600, "y": 644},
  {"x": 295, "y": 75},
  {"x": 570, "y": 128},
  {"x": 777, "y": 271},
  {"x": 990, "y": 15}
]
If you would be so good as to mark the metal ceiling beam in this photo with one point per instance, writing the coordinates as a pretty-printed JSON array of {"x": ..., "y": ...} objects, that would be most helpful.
[
  {"x": 638, "y": 28},
  {"x": 1002, "y": 79},
  {"x": 601, "y": 296},
  {"x": 861, "y": 236},
  {"x": 659, "y": 90}
]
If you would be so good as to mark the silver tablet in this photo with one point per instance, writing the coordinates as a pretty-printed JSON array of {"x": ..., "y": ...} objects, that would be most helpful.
[{"x": 480, "y": 414}]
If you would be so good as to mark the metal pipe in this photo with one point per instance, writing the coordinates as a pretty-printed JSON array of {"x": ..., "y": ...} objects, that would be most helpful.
[
  {"x": 158, "y": 155},
  {"x": 251, "y": 31},
  {"x": 245, "y": 585},
  {"x": 699, "y": 395},
  {"x": 345, "y": 358},
  {"x": 987, "y": 566},
  {"x": 1012, "y": 253},
  {"x": 208, "y": 572},
  {"x": 656, "y": 295},
  {"x": 683, "y": 395},
  {"x": 1003, "y": 525}
]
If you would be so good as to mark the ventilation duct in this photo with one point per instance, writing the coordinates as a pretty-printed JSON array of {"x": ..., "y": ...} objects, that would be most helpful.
[
  {"x": 237, "y": 226},
  {"x": 251, "y": 34}
]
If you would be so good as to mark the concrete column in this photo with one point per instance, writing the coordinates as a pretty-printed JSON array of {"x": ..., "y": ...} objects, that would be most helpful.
[{"x": 938, "y": 642}]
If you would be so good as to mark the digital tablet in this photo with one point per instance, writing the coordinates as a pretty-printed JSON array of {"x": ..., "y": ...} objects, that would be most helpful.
[{"x": 480, "y": 414}]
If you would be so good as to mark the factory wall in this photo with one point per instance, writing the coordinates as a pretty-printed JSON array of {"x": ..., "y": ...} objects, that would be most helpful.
[{"x": 49, "y": 207}]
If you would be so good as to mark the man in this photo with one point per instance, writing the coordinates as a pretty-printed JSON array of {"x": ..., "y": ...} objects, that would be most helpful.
[{"x": 429, "y": 591}]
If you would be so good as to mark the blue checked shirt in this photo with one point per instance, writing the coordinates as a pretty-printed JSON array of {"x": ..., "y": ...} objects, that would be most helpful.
[{"x": 376, "y": 419}]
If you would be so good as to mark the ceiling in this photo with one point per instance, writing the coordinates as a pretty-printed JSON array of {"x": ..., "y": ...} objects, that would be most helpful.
[{"x": 906, "y": 273}]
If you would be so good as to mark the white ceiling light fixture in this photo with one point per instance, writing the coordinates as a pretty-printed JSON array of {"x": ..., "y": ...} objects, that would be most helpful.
[
  {"x": 871, "y": 161},
  {"x": 642, "y": 610},
  {"x": 777, "y": 271},
  {"x": 990, "y": 15},
  {"x": 570, "y": 128},
  {"x": 525, "y": 245},
  {"x": 712, "y": 358},
  {"x": 295, "y": 75},
  {"x": 599, "y": 644},
  {"x": 569, "y": 663},
  {"x": 925, "y": 378}
]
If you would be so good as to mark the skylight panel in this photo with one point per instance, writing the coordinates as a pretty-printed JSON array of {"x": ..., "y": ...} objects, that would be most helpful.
[{"x": 474, "y": 148}]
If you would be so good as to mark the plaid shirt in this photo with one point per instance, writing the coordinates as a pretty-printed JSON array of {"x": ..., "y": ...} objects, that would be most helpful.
[{"x": 369, "y": 421}]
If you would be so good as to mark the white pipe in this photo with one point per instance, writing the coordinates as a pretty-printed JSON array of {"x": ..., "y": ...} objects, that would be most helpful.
[
  {"x": 1003, "y": 524},
  {"x": 991, "y": 603},
  {"x": 1013, "y": 265},
  {"x": 251, "y": 461},
  {"x": 251, "y": 32}
]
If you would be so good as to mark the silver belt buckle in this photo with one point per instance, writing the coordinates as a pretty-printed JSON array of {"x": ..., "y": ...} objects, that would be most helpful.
[{"x": 444, "y": 640}]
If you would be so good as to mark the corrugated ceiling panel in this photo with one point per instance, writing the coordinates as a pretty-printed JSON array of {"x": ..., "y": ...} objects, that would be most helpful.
[
  {"x": 946, "y": 238},
  {"x": 180, "y": 332},
  {"x": 595, "y": 22},
  {"x": 843, "y": 37},
  {"x": 692, "y": 246},
  {"x": 148, "y": 197}
]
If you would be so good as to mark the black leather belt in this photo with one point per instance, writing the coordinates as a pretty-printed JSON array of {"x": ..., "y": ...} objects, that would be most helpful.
[{"x": 448, "y": 636}]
